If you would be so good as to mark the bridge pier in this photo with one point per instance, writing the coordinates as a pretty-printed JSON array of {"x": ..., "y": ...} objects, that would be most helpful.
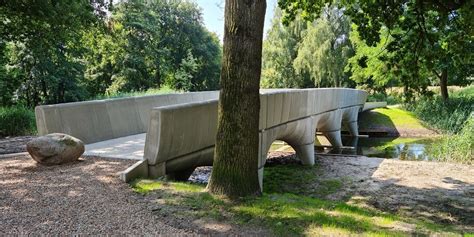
[
  {"x": 349, "y": 118},
  {"x": 330, "y": 125}
]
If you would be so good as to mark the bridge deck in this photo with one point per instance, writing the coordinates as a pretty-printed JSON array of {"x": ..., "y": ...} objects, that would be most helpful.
[
  {"x": 132, "y": 147},
  {"x": 129, "y": 147}
]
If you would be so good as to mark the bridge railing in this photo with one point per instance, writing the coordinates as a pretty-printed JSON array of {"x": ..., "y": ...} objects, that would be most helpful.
[{"x": 182, "y": 137}]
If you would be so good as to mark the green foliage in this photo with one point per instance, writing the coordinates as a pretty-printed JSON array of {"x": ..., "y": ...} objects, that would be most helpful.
[
  {"x": 55, "y": 52},
  {"x": 280, "y": 49},
  {"x": 390, "y": 98},
  {"x": 458, "y": 147},
  {"x": 162, "y": 90},
  {"x": 418, "y": 43},
  {"x": 16, "y": 120},
  {"x": 301, "y": 54},
  {"x": 43, "y": 38},
  {"x": 447, "y": 116},
  {"x": 325, "y": 50}
]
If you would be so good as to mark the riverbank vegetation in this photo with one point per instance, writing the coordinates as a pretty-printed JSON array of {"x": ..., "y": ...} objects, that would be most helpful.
[{"x": 17, "y": 120}]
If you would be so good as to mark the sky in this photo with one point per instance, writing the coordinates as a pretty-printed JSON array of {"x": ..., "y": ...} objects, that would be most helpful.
[{"x": 213, "y": 14}]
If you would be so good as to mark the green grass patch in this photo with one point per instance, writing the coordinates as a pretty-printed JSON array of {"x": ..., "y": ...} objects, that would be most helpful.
[
  {"x": 446, "y": 116},
  {"x": 390, "y": 117},
  {"x": 299, "y": 180},
  {"x": 458, "y": 147},
  {"x": 289, "y": 206},
  {"x": 285, "y": 214}
]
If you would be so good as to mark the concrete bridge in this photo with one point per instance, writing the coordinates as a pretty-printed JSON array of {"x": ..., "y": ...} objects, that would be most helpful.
[{"x": 181, "y": 128}]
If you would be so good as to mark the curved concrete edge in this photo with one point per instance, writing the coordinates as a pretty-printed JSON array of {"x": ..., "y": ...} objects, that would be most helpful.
[
  {"x": 99, "y": 120},
  {"x": 182, "y": 137},
  {"x": 374, "y": 105}
]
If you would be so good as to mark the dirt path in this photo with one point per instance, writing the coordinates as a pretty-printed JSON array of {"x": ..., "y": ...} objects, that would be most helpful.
[
  {"x": 443, "y": 192},
  {"x": 10, "y": 145},
  {"x": 85, "y": 197}
]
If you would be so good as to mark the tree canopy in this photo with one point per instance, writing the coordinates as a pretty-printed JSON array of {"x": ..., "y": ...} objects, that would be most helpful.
[
  {"x": 425, "y": 39},
  {"x": 59, "y": 51}
]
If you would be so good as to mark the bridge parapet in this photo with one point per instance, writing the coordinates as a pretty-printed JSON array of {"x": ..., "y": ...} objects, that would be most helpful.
[{"x": 182, "y": 137}]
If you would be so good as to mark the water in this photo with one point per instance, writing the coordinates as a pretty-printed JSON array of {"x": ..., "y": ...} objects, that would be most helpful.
[{"x": 406, "y": 148}]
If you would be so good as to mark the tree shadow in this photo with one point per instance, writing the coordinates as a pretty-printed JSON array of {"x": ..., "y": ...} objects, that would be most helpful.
[
  {"x": 374, "y": 123},
  {"x": 444, "y": 205}
]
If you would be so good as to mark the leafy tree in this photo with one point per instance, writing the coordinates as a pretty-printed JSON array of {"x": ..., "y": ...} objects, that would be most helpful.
[
  {"x": 186, "y": 72},
  {"x": 325, "y": 49},
  {"x": 45, "y": 37},
  {"x": 427, "y": 34},
  {"x": 59, "y": 51},
  {"x": 159, "y": 35},
  {"x": 280, "y": 49}
]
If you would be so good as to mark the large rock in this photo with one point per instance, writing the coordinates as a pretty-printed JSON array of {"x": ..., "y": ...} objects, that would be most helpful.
[{"x": 55, "y": 149}]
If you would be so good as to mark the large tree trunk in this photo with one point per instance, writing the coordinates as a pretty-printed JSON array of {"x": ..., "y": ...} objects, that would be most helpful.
[
  {"x": 443, "y": 84},
  {"x": 235, "y": 171}
]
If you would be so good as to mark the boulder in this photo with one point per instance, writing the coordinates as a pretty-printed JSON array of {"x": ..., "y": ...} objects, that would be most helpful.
[{"x": 55, "y": 149}]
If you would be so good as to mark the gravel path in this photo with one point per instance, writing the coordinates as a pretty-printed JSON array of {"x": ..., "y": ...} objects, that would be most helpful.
[
  {"x": 10, "y": 145},
  {"x": 80, "y": 198}
]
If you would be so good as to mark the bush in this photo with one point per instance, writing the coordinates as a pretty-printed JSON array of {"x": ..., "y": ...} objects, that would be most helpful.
[
  {"x": 459, "y": 147},
  {"x": 449, "y": 116},
  {"x": 16, "y": 120}
]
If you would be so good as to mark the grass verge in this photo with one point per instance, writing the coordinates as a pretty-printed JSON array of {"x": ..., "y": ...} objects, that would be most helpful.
[{"x": 287, "y": 209}]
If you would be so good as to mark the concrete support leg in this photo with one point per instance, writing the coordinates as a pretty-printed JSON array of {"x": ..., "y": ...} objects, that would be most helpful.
[
  {"x": 260, "y": 178},
  {"x": 353, "y": 128},
  {"x": 305, "y": 153},
  {"x": 334, "y": 138}
]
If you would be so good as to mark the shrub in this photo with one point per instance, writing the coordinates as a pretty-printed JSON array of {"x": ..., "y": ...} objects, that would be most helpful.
[
  {"x": 16, "y": 120},
  {"x": 449, "y": 116},
  {"x": 459, "y": 147}
]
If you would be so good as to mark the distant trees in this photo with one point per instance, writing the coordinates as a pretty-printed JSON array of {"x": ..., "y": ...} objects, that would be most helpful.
[
  {"x": 426, "y": 40},
  {"x": 325, "y": 49},
  {"x": 307, "y": 54},
  {"x": 53, "y": 52},
  {"x": 280, "y": 50}
]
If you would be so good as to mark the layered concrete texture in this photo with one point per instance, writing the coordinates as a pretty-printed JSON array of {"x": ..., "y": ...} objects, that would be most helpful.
[
  {"x": 182, "y": 137},
  {"x": 100, "y": 120},
  {"x": 181, "y": 128}
]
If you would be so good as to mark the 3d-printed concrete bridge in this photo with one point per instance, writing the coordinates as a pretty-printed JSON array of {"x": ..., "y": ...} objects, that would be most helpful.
[{"x": 181, "y": 128}]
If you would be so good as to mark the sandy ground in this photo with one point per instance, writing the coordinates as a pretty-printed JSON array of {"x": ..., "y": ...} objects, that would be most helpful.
[
  {"x": 442, "y": 192},
  {"x": 85, "y": 197}
]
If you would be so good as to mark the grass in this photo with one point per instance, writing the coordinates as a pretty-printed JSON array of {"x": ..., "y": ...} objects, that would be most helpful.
[
  {"x": 17, "y": 120},
  {"x": 458, "y": 147},
  {"x": 391, "y": 117},
  {"x": 449, "y": 116},
  {"x": 288, "y": 207}
]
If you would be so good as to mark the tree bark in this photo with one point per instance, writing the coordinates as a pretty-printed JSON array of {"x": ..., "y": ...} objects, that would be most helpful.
[
  {"x": 443, "y": 84},
  {"x": 235, "y": 171}
]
